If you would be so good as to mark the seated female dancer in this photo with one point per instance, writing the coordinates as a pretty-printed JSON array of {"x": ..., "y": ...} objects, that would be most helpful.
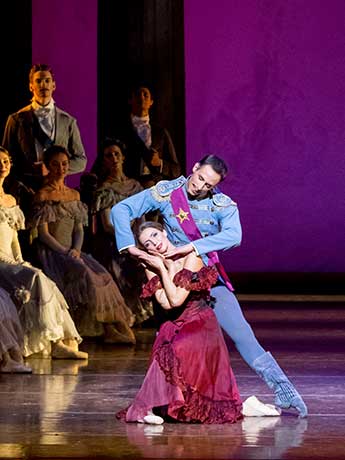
[
  {"x": 96, "y": 303},
  {"x": 114, "y": 186},
  {"x": 43, "y": 313},
  {"x": 189, "y": 378},
  {"x": 11, "y": 337}
]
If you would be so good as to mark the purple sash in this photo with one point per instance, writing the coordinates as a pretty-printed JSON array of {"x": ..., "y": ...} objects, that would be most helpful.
[{"x": 184, "y": 217}]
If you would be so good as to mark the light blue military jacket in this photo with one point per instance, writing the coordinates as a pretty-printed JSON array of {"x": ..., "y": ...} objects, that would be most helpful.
[{"x": 216, "y": 216}]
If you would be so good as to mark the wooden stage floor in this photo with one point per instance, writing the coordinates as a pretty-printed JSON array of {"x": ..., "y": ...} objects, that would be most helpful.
[{"x": 66, "y": 409}]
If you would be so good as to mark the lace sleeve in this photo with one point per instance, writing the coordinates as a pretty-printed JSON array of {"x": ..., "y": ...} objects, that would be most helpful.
[
  {"x": 13, "y": 216},
  {"x": 151, "y": 287},
  {"x": 202, "y": 280},
  {"x": 80, "y": 213},
  {"x": 45, "y": 212},
  {"x": 42, "y": 212},
  {"x": 104, "y": 198}
]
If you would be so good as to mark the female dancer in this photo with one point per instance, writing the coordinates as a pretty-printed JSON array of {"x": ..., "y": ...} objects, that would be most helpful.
[
  {"x": 97, "y": 305},
  {"x": 44, "y": 315},
  {"x": 114, "y": 186},
  {"x": 189, "y": 378}
]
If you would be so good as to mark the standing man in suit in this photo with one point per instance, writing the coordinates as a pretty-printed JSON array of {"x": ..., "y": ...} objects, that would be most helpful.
[
  {"x": 150, "y": 151},
  {"x": 31, "y": 130}
]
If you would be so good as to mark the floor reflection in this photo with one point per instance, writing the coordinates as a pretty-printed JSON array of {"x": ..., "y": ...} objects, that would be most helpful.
[
  {"x": 66, "y": 409},
  {"x": 254, "y": 437},
  {"x": 272, "y": 437},
  {"x": 56, "y": 393},
  {"x": 56, "y": 366}
]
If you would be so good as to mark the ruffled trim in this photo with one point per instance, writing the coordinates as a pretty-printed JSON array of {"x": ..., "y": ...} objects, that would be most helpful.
[
  {"x": 193, "y": 407},
  {"x": 111, "y": 193},
  {"x": 45, "y": 212},
  {"x": 104, "y": 198},
  {"x": 196, "y": 407},
  {"x": 170, "y": 365},
  {"x": 202, "y": 280},
  {"x": 151, "y": 287},
  {"x": 88, "y": 284},
  {"x": 13, "y": 216},
  {"x": 199, "y": 409}
]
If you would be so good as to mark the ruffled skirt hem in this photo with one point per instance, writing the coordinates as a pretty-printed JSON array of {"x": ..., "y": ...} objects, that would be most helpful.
[
  {"x": 86, "y": 283},
  {"x": 187, "y": 406}
]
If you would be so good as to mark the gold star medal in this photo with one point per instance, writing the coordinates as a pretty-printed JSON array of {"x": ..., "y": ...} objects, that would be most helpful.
[{"x": 182, "y": 215}]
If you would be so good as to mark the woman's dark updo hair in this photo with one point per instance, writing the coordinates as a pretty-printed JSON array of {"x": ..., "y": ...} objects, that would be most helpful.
[
  {"x": 109, "y": 141},
  {"x": 52, "y": 151},
  {"x": 98, "y": 166}
]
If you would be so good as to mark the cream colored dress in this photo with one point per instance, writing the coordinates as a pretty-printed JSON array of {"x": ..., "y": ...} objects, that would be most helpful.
[
  {"x": 43, "y": 312},
  {"x": 11, "y": 333}
]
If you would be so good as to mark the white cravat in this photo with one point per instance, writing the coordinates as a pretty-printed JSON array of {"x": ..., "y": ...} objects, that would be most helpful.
[
  {"x": 143, "y": 128},
  {"x": 46, "y": 118}
]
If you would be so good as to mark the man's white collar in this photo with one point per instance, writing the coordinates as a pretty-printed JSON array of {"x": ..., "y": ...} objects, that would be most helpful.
[{"x": 36, "y": 106}]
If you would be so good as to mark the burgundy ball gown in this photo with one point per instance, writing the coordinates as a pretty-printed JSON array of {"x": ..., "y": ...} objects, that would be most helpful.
[{"x": 189, "y": 377}]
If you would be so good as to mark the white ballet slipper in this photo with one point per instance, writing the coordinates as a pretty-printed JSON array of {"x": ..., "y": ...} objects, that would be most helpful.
[
  {"x": 151, "y": 419},
  {"x": 252, "y": 407}
]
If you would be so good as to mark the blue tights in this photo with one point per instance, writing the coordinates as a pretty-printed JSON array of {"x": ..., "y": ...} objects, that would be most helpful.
[{"x": 231, "y": 319}]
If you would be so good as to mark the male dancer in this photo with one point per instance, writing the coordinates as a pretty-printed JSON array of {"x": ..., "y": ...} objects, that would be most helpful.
[{"x": 192, "y": 209}]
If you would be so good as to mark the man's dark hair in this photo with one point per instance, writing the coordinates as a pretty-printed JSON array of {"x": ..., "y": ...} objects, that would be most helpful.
[
  {"x": 52, "y": 151},
  {"x": 134, "y": 87},
  {"x": 40, "y": 68},
  {"x": 217, "y": 164}
]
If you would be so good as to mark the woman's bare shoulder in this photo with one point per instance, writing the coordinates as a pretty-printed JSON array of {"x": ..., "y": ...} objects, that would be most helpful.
[
  {"x": 42, "y": 194},
  {"x": 193, "y": 262},
  {"x": 9, "y": 200},
  {"x": 75, "y": 195}
]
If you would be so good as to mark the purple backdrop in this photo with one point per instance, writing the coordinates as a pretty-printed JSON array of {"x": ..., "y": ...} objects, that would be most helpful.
[
  {"x": 64, "y": 35},
  {"x": 265, "y": 89}
]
